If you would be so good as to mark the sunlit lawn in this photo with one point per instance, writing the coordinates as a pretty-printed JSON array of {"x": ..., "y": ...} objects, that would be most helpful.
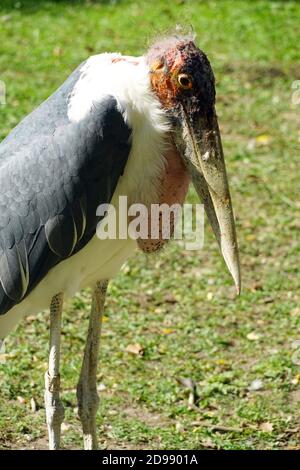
[{"x": 178, "y": 306}]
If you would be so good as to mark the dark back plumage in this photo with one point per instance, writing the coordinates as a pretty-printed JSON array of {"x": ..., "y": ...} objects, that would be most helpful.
[{"x": 53, "y": 175}]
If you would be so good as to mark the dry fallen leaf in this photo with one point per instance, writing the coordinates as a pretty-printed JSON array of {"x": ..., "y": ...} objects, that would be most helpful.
[
  {"x": 21, "y": 400},
  {"x": 266, "y": 427},
  {"x": 136, "y": 349},
  {"x": 158, "y": 310},
  {"x": 257, "y": 384},
  {"x": 168, "y": 331},
  {"x": 263, "y": 139},
  {"x": 253, "y": 336},
  {"x": 208, "y": 443},
  {"x": 251, "y": 237},
  {"x": 101, "y": 387},
  {"x": 30, "y": 318},
  {"x": 296, "y": 379},
  {"x": 179, "y": 427}
]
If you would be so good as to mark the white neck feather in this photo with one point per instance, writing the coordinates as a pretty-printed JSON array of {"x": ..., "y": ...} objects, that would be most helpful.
[{"x": 127, "y": 79}]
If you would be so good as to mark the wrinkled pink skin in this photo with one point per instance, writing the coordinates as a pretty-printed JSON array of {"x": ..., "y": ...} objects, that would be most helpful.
[{"x": 174, "y": 187}]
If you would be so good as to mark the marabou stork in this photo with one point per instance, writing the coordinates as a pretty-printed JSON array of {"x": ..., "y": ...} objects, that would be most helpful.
[{"x": 143, "y": 127}]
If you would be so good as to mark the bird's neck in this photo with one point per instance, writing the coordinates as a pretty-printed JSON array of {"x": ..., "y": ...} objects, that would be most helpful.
[{"x": 128, "y": 80}]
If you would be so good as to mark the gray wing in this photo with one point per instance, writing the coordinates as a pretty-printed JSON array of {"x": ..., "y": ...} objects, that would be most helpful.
[{"x": 52, "y": 179}]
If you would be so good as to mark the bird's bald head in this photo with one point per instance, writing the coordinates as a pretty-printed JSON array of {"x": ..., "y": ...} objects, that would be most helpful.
[{"x": 180, "y": 74}]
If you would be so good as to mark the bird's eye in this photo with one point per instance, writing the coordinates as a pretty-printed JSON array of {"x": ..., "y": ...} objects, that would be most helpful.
[{"x": 185, "y": 81}]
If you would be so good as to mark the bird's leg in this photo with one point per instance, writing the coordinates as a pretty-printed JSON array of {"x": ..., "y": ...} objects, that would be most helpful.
[
  {"x": 53, "y": 404},
  {"x": 87, "y": 395}
]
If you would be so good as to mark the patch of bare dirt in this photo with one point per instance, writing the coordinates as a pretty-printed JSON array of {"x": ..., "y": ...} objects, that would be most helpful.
[{"x": 146, "y": 417}]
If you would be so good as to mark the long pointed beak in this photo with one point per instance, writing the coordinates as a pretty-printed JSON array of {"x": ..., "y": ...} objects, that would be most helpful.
[{"x": 205, "y": 161}]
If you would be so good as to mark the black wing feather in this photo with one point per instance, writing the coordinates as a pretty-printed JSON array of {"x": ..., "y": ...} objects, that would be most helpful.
[{"x": 52, "y": 180}]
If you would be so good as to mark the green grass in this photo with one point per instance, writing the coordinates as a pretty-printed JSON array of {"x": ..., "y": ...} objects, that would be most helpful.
[{"x": 179, "y": 306}]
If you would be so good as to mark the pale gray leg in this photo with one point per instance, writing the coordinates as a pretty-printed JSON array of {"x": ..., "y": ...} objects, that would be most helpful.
[
  {"x": 53, "y": 404},
  {"x": 87, "y": 395}
]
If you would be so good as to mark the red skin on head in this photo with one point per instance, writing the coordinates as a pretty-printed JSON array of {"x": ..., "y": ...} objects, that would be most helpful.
[
  {"x": 166, "y": 61},
  {"x": 165, "y": 85}
]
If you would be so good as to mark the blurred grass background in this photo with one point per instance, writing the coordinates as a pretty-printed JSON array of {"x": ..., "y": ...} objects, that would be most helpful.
[{"x": 178, "y": 306}]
